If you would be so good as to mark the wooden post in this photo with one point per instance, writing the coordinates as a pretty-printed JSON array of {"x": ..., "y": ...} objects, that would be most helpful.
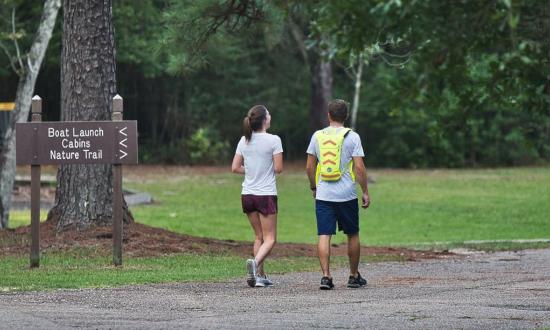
[
  {"x": 117, "y": 190},
  {"x": 35, "y": 188}
]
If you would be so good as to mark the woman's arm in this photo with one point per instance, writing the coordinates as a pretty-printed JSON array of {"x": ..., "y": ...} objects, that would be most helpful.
[
  {"x": 278, "y": 163},
  {"x": 237, "y": 165}
]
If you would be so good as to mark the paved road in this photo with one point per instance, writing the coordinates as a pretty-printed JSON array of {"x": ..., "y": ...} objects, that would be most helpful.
[{"x": 494, "y": 290}]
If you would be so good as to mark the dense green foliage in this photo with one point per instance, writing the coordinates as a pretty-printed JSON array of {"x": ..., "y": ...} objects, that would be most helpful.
[{"x": 473, "y": 89}]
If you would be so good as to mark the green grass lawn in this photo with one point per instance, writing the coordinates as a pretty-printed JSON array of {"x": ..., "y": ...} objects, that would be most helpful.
[
  {"x": 84, "y": 269},
  {"x": 408, "y": 207},
  {"x": 76, "y": 270},
  {"x": 23, "y": 218}
]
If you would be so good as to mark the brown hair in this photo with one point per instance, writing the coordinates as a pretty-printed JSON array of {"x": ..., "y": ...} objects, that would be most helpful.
[
  {"x": 254, "y": 120},
  {"x": 338, "y": 110}
]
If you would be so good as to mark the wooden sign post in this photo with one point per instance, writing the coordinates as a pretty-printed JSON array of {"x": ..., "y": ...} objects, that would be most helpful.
[
  {"x": 90, "y": 142},
  {"x": 36, "y": 116},
  {"x": 117, "y": 198}
]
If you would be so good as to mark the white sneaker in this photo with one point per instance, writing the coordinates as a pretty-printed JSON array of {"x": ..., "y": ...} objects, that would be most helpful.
[
  {"x": 251, "y": 272},
  {"x": 263, "y": 281},
  {"x": 259, "y": 282}
]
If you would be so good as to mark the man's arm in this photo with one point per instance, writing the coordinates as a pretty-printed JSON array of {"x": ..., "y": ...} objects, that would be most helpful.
[
  {"x": 311, "y": 168},
  {"x": 361, "y": 178}
]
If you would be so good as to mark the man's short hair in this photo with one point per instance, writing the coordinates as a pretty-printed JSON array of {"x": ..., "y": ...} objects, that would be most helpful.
[{"x": 338, "y": 110}]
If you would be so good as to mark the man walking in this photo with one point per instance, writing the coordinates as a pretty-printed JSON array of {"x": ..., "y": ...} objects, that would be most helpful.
[{"x": 334, "y": 164}]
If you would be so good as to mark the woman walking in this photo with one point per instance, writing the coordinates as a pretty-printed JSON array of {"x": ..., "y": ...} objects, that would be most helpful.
[{"x": 259, "y": 156}]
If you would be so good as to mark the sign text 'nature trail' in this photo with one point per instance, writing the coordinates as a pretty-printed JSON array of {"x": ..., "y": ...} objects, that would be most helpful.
[{"x": 90, "y": 142}]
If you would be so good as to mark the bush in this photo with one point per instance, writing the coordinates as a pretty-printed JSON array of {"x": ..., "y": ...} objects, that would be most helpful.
[{"x": 206, "y": 147}]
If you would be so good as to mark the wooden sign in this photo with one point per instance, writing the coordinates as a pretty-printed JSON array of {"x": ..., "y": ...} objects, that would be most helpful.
[
  {"x": 7, "y": 106},
  {"x": 89, "y": 142}
]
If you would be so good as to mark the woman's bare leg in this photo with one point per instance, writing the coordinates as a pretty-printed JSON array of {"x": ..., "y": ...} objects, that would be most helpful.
[
  {"x": 269, "y": 230},
  {"x": 254, "y": 218}
]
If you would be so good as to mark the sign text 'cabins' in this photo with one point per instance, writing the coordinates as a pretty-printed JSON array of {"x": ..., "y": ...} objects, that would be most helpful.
[{"x": 90, "y": 142}]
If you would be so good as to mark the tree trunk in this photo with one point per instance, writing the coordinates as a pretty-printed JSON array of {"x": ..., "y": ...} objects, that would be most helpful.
[
  {"x": 321, "y": 92},
  {"x": 23, "y": 97},
  {"x": 321, "y": 79},
  {"x": 357, "y": 92},
  {"x": 84, "y": 193}
]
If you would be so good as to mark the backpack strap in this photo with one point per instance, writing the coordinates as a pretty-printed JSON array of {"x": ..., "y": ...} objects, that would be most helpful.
[{"x": 345, "y": 132}]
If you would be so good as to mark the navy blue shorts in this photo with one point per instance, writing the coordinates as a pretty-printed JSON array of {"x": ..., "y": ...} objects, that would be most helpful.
[{"x": 346, "y": 214}]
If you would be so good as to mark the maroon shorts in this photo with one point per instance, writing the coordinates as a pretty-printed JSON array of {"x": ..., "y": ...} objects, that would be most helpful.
[{"x": 263, "y": 204}]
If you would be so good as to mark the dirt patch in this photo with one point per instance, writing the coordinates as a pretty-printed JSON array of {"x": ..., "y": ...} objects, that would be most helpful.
[{"x": 144, "y": 241}]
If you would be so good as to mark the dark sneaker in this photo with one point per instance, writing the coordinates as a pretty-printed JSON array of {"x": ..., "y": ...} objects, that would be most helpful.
[
  {"x": 326, "y": 283},
  {"x": 251, "y": 272},
  {"x": 356, "y": 282},
  {"x": 361, "y": 280}
]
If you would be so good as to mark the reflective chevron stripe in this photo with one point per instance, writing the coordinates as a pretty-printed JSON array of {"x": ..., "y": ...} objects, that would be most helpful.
[{"x": 331, "y": 176}]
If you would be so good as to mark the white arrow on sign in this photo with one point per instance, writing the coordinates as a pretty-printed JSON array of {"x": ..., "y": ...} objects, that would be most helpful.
[{"x": 121, "y": 142}]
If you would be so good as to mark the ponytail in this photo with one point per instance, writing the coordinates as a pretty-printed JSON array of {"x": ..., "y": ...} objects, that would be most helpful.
[
  {"x": 247, "y": 129},
  {"x": 254, "y": 121}
]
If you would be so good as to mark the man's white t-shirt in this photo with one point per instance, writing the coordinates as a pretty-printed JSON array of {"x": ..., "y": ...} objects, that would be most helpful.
[
  {"x": 259, "y": 174},
  {"x": 342, "y": 190}
]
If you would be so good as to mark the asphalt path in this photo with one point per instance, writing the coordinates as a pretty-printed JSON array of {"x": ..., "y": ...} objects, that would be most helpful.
[{"x": 479, "y": 291}]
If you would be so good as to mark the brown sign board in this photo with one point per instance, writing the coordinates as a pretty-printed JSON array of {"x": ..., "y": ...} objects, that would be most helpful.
[{"x": 84, "y": 142}]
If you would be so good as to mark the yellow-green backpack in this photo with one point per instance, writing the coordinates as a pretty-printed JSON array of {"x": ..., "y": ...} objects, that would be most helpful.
[{"x": 330, "y": 141}]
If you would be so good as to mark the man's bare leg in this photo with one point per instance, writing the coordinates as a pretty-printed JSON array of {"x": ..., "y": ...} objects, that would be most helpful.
[
  {"x": 323, "y": 249},
  {"x": 354, "y": 253}
]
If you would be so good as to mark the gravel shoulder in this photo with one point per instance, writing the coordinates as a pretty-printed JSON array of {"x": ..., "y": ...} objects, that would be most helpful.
[{"x": 481, "y": 290}]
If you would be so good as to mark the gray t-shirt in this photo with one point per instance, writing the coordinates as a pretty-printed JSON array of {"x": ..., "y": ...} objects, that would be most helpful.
[
  {"x": 344, "y": 189},
  {"x": 259, "y": 174}
]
